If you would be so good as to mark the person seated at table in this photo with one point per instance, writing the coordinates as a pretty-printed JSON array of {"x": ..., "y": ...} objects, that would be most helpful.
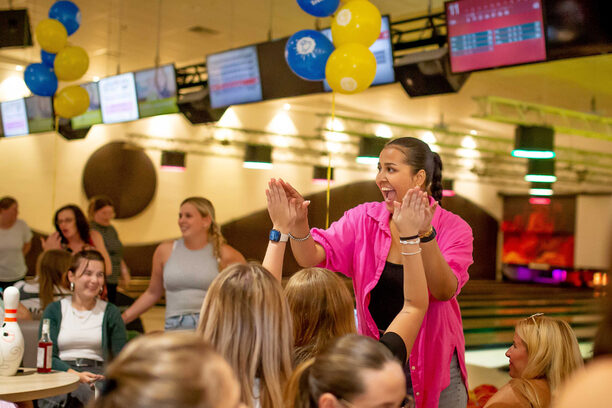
[
  {"x": 169, "y": 370},
  {"x": 72, "y": 233},
  {"x": 245, "y": 317},
  {"x": 48, "y": 285},
  {"x": 544, "y": 353},
  {"x": 86, "y": 331}
]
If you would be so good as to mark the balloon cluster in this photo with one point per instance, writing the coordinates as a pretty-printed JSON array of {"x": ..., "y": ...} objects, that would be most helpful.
[
  {"x": 350, "y": 67},
  {"x": 60, "y": 61}
]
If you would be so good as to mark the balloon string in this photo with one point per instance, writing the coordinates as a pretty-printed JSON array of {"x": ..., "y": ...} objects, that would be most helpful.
[{"x": 333, "y": 122}]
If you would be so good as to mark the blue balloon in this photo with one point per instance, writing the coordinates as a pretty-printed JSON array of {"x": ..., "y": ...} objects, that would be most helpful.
[
  {"x": 47, "y": 58},
  {"x": 40, "y": 79},
  {"x": 306, "y": 53},
  {"x": 319, "y": 8},
  {"x": 67, "y": 13}
]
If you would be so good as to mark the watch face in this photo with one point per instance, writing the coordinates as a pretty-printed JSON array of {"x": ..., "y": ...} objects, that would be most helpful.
[{"x": 275, "y": 235}]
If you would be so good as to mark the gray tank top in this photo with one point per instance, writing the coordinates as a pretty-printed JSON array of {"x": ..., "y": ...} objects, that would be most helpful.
[{"x": 187, "y": 276}]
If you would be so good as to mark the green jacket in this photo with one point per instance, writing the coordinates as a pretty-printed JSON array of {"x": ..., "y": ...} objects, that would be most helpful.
[{"x": 113, "y": 332}]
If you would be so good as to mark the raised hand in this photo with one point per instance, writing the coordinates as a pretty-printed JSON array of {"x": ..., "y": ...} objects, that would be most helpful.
[
  {"x": 410, "y": 214},
  {"x": 53, "y": 241},
  {"x": 282, "y": 213},
  {"x": 298, "y": 203},
  {"x": 429, "y": 213}
]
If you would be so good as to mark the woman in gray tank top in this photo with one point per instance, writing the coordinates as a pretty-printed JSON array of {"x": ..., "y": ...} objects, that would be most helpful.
[{"x": 184, "y": 268}]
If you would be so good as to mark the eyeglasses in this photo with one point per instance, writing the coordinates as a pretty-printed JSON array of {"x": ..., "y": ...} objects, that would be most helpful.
[{"x": 407, "y": 402}]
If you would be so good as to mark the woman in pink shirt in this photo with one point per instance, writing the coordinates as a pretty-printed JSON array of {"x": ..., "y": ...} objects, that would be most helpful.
[{"x": 365, "y": 245}]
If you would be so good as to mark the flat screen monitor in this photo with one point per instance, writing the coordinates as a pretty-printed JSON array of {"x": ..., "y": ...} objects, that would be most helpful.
[
  {"x": 382, "y": 50},
  {"x": 156, "y": 91},
  {"x": 93, "y": 116},
  {"x": 14, "y": 118},
  {"x": 118, "y": 98},
  {"x": 277, "y": 79},
  {"x": 233, "y": 77},
  {"x": 486, "y": 34},
  {"x": 39, "y": 110},
  {"x": 576, "y": 28}
]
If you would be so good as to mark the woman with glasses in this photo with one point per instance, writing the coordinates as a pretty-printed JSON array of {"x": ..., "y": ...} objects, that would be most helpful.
[
  {"x": 353, "y": 372},
  {"x": 544, "y": 353}
]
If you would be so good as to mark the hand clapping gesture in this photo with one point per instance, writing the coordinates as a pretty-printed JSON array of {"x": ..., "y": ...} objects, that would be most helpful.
[{"x": 411, "y": 213}]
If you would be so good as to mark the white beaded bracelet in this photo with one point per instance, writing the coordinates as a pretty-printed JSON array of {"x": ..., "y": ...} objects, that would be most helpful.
[
  {"x": 412, "y": 253},
  {"x": 410, "y": 242}
]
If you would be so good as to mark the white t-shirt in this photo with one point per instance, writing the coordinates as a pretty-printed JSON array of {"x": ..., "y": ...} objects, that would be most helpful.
[
  {"x": 12, "y": 262},
  {"x": 80, "y": 334}
]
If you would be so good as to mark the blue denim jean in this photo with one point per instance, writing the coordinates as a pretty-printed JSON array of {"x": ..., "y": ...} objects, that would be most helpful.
[{"x": 188, "y": 321}]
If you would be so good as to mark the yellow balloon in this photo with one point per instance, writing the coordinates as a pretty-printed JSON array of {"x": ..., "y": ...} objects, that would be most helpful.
[
  {"x": 358, "y": 21},
  {"x": 51, "y": 35},
  {"x": 71, "y": 101},
  {"x": 71, "y": 63},
  {"x": 350, "y": 68}
]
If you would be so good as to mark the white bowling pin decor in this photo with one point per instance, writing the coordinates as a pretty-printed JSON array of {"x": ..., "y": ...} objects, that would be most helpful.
[{"x": 11, "y": 339}]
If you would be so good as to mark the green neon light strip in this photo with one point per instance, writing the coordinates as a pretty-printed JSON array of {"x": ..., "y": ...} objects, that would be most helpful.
[
  {"x": 541, "y": 191},
  {"x": 533, "y": 154},
  {"x": 540, "y": 178}
]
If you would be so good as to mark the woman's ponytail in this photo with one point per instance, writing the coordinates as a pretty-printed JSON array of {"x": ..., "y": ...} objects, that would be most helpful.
[{"x": 436, "y": 178}]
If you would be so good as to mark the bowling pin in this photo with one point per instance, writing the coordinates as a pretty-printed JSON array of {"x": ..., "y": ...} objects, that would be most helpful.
[{"x": 11, "y": 339}]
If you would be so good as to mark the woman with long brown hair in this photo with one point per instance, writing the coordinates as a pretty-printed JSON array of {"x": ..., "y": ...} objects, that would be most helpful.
[{"x": 184, "y": 269}]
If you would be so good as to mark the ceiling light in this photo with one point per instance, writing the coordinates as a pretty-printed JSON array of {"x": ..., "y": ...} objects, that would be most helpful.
[
  {"x": 286, "y": 106},
  {"x": 428, "y": 137},
  {"x": 534, "y": 142},
  {"x": 173, "y": 161},
  {"x": 369, "y": 149},
  {"x": 383, "y": 131},
  {"x": 19, "y": 68},
  {"x": 541, "y": 171},
  {"x": 257, "y": 157},
  {"x": 541, "y": 189}
]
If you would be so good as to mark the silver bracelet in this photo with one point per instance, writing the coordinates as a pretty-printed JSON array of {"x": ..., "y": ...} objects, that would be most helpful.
[
  {"x": 412, "y": 253},
  {"x": 410, "y": 242},
  {"x": 299, "y": 239}
]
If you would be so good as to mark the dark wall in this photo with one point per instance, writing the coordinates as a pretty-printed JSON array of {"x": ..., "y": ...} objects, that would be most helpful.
[{"x": 249, "y": 234}]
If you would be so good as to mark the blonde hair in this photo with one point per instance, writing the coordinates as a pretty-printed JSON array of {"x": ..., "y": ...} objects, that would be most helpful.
[
  {"x": 552, "y": 354},
  {"x": 205, "y": 208},
  {"x": 245, "y": 316},
  {"x": 51, "y": 269},
  {"x": 336, "y": 370},
  {"x": 165, "y": 370},
  {"x": 322, "y": 309}
]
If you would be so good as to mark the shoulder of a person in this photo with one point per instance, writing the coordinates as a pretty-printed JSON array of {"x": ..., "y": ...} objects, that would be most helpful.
[
  {"x": 449, "y": 220},
  {"x": 165, "y": 247},
  {"x": 504, "y": 397}
]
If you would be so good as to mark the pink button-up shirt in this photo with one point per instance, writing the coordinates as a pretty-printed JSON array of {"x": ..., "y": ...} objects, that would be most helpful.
[{"x": 357, "y": 245}]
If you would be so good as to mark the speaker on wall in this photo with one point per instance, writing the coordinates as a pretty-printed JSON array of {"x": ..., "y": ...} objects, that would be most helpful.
[
  {"x": 196, "y": 107},
  {"x": 15, "y": 28},
  {"x": 428, "y": 73}
]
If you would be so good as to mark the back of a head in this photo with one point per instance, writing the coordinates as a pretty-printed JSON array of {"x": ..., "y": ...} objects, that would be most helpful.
[
  {"x": 97, "y": 203},
  {"x": 552, "y": 349},
  {"x": 246, "y": 318},
  {"x": 6, "y": 202},
  {"x": 322, "y": 309},
  {"x": 169, "y": 370},
  {"x": 337, "y": 370},
  {"x": 51, "y": 268}
]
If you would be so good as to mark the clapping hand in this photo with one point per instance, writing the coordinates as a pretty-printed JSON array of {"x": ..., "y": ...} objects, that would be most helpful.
[
  {"x": 410, "y": 214},
  {"x": 53, "y": 241},
  {"x": 297, "y": 202},
  {"x": 282, "y": 213}
]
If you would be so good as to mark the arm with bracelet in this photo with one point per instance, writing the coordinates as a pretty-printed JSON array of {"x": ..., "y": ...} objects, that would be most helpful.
[{"x": 282, "y": 215}]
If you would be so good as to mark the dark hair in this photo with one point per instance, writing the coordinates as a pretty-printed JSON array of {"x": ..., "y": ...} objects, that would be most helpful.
[
  {"x": 336, "y": 370},
  {"x": 6, "y": 202},
  {"x": 81, "y": 222},
  {"x": 420, "y": 157},
  {"x": 87, "y": 255},
  {"x": 97, "y": 203}
]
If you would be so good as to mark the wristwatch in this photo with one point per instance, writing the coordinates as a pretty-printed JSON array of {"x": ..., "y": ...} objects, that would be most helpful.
[{"x": 276, "y": 236}]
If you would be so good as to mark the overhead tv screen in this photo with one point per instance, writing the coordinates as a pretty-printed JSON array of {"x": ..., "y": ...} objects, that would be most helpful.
[
  {"x": 382, "y": 50},
  {"x": 93, "y": 115},
  {"x": 118, "y": 98},
  {"x": 14, "y": 118},
  {"x": 156, "y": 91},
  {"x": 233, "y": 77},
  {"x": 39, "y": 110},
  {"x": 492, "y": 33}
]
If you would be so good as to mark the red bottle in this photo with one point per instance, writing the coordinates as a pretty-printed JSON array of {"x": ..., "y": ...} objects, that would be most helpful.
[{"x": 45, "y": 349}]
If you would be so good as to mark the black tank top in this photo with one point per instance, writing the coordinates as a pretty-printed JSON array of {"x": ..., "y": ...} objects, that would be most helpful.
[{"x": 387, "y": 297}]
